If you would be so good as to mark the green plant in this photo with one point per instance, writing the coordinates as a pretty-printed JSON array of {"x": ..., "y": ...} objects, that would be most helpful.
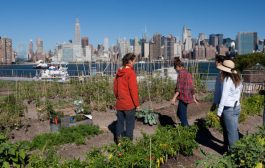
[
  {"x": 11, "y": 111},
  {"x": 249, "y": 151},
  {"x": 12, "y": 155},
  {"x": 149, "y": 116},
  {"x": 251, "y": 105},
  {"x": 214, "y": 161},
  {"x": 213, "y": 121},
  {"x": 75, "y": 134}
]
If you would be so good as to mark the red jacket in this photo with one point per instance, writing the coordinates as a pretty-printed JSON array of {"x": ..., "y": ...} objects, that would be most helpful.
[{"x": 126, "y": 89}]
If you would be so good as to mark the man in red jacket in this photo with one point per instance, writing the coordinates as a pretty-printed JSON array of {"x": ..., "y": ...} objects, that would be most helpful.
[{"x": 127, "y": 99}]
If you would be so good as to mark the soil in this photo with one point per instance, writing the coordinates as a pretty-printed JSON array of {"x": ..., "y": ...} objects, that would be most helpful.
[{"x": 210, "y": 140}]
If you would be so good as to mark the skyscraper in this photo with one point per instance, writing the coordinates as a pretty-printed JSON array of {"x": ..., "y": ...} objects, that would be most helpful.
[
  {"x": 6, "y": 51},
  {"x": 246, "y": 42},
  {"x": 106, "y": 44},
  {"x": 216, "y": 39},
  {"x": 77, "y": 32},
  {"x": 1, "y": 51},
  {"x": 84, "y": 42},
  {"x": 39, "y": 50},
  {"x": 155, "y": 47},
  {"x": 201, "y": 38},
  {"x": 169, "y": 42},
  {"x": 136, "y": 47},
  {"x": 39, "y": 46},
  {"x": 30, "y": 50},
  {"x": 78, "y": 53},
  {"x": 186, "y": 39},
  {"x": 213, "y": 40}
]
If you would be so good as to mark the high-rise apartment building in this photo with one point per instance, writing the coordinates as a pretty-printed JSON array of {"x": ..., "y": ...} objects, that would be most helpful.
[
  {"x": 30, "y": 50},
  {"x": 210, "y": 52},
  {"x": 39, "y": 50},
  {"x": 6, "y": 51},
  {"x": 169, "y": 42},
  {"x": 186, "y": 39},
  {"x": 216, "y": 39},
  {"x": 155, "y": 47},
  {"x": 199, "y": 52},
  {"x": 136, "y": 47},
  {"x": 246, "y": 42},
  {"x": 84, "y": 42},
  {"x": 106, "y": 44}
]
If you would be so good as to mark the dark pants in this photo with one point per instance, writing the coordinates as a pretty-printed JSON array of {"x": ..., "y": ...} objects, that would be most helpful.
[
  {"x": 182, "y": 113},
  {"x": 127, "y": 116}
]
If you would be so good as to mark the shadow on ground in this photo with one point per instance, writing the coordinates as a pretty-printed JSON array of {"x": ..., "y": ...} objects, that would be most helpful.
[{"x": 205, "y": 137}]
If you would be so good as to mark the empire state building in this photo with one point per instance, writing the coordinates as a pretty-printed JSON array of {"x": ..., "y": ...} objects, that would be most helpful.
[{"x": 77, "y": 48}]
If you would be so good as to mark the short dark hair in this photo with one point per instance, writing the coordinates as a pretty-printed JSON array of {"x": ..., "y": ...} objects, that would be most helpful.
[
  {"x": 126, "y": 58},
  {"x": 177, "y": 62}
]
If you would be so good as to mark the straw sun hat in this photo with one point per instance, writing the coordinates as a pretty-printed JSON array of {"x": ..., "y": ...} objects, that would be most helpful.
[{"x": 227, "y": 66}]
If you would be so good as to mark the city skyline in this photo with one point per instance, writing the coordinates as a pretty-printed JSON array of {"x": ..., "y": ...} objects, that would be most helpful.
[{"x": 53, "y": 21}]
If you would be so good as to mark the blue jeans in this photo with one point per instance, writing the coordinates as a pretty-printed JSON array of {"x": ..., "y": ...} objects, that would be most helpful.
[
  {"x": 127, "y": 116},
  {"x": 182, "y": 113},
  {"x": 230, "y": 118}
]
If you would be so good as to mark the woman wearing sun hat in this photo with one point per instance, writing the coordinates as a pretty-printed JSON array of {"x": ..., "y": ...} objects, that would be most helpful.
[{"x": 229, "y": 107}]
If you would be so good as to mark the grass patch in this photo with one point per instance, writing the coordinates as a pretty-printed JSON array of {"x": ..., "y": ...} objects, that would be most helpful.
[{"x": 77, "y": 135}]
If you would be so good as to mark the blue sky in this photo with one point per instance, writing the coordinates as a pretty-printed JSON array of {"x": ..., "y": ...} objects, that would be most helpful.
[{"x": 53, "y": 20}]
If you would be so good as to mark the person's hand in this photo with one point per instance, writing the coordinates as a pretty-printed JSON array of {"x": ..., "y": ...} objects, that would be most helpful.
[
  {"x": 173, "y": 101},
  {"x": 213, "y": 107},
  {"x": 196, "y": 101},
  {"x": 138, "y": 108}
]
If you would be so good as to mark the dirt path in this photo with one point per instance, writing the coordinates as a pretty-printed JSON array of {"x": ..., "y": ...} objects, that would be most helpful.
[{"x": 210, "y": 141}]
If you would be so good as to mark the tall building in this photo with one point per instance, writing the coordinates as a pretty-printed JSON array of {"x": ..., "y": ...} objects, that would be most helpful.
[
  {"x": 39, "y": 50},
  {"x": 22, "y": 52},
  {"x": 84, "y": 42},
  {"x": 78, "y": 53},
  {"x": 178, "y": 49},
  {"x": 6, "y": 51},
  {"x": 124, "y": 47},
  {"x": 39, "y": 46},
  {"x": 106, "y": 44},
  {"x": 210, "y": 52},
  {"x": 1, "y": 51},
  {"x": 246, "y": 42},
  {"x": 77, "y": 32},
  {"x": 155, "y": 47},
  {"x": 68, "y": 53},
  {"x": 146, "y": 50},
  {"x": 169, "y": 42},
  {"x": 216, "y": 39},
  {"x": 199, "y": 52},
  {"x": 201, "y": 38},
  {"x": 136, "y": 47},
  {"x": 30, "y": 50},
  {"x": 186, "y": 39},
  {"x": 213, "y": 40}
]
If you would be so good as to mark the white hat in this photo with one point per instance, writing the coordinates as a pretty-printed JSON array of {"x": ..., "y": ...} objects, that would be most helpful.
[{"x": 227, "y": 66}]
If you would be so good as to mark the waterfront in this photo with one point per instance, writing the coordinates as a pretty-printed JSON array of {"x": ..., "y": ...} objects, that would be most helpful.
[{"x": 26, "y": 70}]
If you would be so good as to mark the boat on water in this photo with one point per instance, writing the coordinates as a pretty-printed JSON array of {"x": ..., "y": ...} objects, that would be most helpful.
[
  {"x": 55, "y": 72},
  {"x": 41, "y": 65}
]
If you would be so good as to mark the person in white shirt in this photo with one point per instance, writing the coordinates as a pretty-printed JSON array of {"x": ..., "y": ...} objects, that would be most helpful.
[{"x": 229, "y": 106}]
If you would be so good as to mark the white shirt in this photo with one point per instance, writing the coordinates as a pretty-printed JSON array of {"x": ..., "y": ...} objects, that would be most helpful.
[{"x": 230, "y": 95}]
